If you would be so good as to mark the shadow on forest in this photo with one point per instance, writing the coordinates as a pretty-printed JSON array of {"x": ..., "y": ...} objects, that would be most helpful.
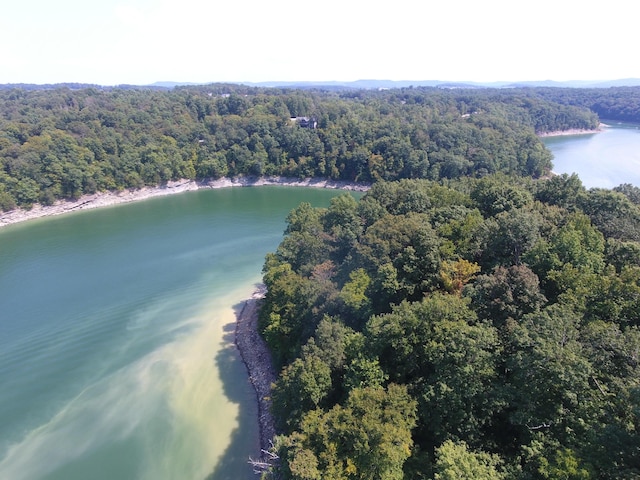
[{"x": 233, "y": 464}]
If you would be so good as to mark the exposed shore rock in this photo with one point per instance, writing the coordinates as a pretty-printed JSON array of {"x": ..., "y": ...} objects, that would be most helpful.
[
  {"x": 572, "y": 131},
  {"x": 257, "y": 358},
  {"x": 105, "y": 199}
]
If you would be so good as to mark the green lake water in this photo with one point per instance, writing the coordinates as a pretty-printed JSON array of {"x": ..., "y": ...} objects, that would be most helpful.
[{"x": 116, "y": 336}]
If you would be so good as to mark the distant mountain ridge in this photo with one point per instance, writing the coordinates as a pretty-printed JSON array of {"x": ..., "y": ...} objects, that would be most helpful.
[
  {"x": 340, "y": 85},
  {"x": 368, "y": 84}
]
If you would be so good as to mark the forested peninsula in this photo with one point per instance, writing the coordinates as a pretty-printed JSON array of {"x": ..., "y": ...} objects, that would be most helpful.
[
  {"x": 475, "y": 328},
  {"x": 471, "y": 317}
]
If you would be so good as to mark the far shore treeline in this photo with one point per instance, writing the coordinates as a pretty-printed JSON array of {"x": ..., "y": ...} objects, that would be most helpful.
[
  {"x": 64, "y": 142},
  {"x": 470, "y": 317}
]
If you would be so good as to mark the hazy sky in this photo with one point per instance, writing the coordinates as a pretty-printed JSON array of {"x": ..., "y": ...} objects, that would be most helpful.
[{"x": 143, "y": 41}]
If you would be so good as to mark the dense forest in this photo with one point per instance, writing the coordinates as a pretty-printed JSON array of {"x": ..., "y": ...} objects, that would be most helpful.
[
  {"x": 619, "y": 103},
  {"x": 463, "y": 329},
  {"x": 470, "y": 317},
  {"x": 65, "y": 142}
]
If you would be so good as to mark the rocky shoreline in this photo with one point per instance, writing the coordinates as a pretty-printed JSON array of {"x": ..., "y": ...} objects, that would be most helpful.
[
  {"x": 257, "y": 358},
  {"x": 572, "y": 131},
  {"x": 105, "y": 199}
]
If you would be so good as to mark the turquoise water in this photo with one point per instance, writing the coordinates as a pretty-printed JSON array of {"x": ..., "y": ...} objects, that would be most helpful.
[
  {"x": 606, "y": 159},
  {"x": 116, "y": 336}
]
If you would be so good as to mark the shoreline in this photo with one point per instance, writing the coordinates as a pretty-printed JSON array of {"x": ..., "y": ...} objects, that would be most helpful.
[
  {"x": 110, "y": 198},
  {"x": 257, "y": 359},
  {"x": 572, "y": 131}
]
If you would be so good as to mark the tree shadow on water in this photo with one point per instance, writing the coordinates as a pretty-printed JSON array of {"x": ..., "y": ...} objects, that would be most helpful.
[{"x": 233, "y": 464}]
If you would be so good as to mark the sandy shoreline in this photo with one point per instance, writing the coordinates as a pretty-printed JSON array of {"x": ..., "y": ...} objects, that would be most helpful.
[
  {"x": 257, "y": 358},
  {"x": 105, "y": 199}
]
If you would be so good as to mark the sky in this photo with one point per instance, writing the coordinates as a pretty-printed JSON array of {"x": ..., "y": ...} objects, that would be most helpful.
[{"x": 111, "y": 42}]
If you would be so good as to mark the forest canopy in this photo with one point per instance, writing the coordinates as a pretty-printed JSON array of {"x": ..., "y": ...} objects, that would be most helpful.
[
  {"x": 64, "y": 142},
  {"x": 479, "y": 329}
]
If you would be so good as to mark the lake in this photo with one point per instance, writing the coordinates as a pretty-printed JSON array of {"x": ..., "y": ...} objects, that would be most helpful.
[
  {"x": 606, "y": 159},
  {"x": 116, "y": 336}
]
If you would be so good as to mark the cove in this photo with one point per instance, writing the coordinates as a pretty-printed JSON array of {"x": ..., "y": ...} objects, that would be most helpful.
[
  {"x": 605, "y": 159},
  {"x": 116, "y": 336}
]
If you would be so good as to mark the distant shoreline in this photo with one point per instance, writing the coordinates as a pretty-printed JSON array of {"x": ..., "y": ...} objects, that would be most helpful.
[
  {"x": 573, "y": 131},
  {"x": 106, "y": 199}
]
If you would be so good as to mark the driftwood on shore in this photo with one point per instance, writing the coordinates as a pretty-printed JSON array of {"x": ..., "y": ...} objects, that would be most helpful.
[{"x": 257, "y": 358}]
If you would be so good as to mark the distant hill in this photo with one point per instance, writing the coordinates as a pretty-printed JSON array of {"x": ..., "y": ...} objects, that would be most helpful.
[
  {"x": 48, "y": 86},
  {"x": 385, "y": 84},
  {"x": 81, "y": 86},
  {"x": 627, "y": 82},
  {"x": 357, "y": 84}
]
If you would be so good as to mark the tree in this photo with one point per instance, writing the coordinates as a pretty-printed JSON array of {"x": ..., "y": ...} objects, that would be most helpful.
[
  {"x": 550, "y": 377},
  {"x": 354, "y": 296},
  {"x": 447, "y": 359},
  {"x": 285, "y": 315},
  {"x": 343, "y": 223},
  {"x": 455, "y": 275},
  {"x": 507, "y": 292},
  {"x": 304, "y": 244},
  {"x": 573, "y": 251},
  {"x": 562, "y": 190},
  {"x": 613, "y": 214},
  {"x": 505, "y": 238},
  {"x": 454, "y": 461},
  {"x": 401, "y": 254},
  {"x": 621, "y": 254},
  {"x": 369, "y": 438},
  {"x": 458, "y": 226},
  {"x": 364, "y": 372},
  {"x": 329, "y": 343},
  {"x": 496, "y": 194},
  {"x": 301, "y": 387}
]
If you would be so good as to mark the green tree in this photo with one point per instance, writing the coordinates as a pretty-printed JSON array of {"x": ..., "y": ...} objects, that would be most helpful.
[
  {"x": 369, "y": 438},
  {"x": 301, "y": 387},
  {"x": 454, "y": 461},
  {"x": 550, "y": 376},
  {"x": 343, "y": 223},
  {"x": 562, "y": 190},
  {"x": 574, "y": 250},
  {"x": 285, "y": 315},
  {"x": 507, "y": 292},
  {"x": 401, "y": 254},
  {"x": 330, "y": 343},
  {"x": 447, "y": 359},
  {"x": 354, "y": 295},
  {"x": 505, "y": 238},
  {"x": 613, "y": 214},
  {"x": 364, "y": 372},
  {"x": 496, "y": 194}
]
